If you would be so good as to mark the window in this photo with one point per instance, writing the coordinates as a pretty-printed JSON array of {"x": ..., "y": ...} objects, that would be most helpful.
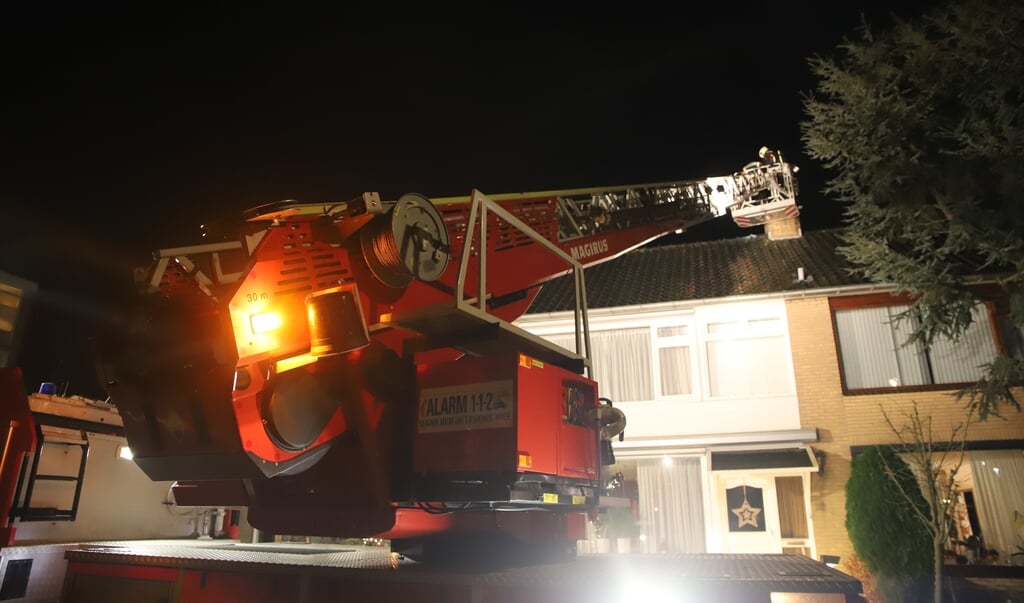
[
  {"x": 748, "y": 358},
  {"x": 10, "y": 299},
  {"x": 621, "y": 360},
  {"x": 736, "y": 351},
  {"x": 875, "y": 353},
  {"x": 675, "y": 376},
  {"x": 792, "y": 509}
]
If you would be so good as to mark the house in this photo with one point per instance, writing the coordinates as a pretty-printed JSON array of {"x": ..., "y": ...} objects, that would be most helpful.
[
  {"x": 15, "y": 296},
  {"x": 751, "y": 370}
]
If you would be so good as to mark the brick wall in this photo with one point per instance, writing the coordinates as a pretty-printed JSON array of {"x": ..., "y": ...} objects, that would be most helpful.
[
  {"x": 820, "y": 395},
  {"x": 783, "y": 228},
  {"x": 845, "y": 421}
]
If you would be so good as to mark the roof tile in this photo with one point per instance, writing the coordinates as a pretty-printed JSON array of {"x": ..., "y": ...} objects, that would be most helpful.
[{"x": 705, "y": 270}]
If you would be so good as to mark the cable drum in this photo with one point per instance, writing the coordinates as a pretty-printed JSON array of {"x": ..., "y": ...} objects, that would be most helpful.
[{"x": 409, "y": 241}]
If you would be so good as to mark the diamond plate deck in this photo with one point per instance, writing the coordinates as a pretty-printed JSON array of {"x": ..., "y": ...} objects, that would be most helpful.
[{"x": 726, "y": 574}]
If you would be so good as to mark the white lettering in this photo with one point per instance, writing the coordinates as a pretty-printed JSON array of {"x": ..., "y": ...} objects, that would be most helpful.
[{"x": 586, "y": 250}]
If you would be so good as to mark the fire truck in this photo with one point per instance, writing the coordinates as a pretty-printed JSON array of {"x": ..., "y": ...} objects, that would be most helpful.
[{"x": 351, "y": 369}]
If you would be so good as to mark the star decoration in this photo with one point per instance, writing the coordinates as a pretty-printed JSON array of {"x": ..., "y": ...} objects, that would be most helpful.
[{"x": 746, "y": 514}]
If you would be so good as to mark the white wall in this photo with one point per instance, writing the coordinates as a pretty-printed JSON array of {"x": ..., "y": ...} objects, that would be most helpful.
[
  {"x": 664, "y": 419},
  {"x": 702, "y": 412},
  {"x": 118, "y": 501}
]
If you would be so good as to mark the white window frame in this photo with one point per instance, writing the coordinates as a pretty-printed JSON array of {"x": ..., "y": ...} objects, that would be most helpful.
[
  {"x": 743, "y": 318},
  {"x": 695, "y": 320},
  {"x": 651, "y": 324},
  {"x": 687, "y": 340}
]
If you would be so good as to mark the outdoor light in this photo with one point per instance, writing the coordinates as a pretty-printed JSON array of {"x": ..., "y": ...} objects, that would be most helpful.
[
  {"x": 265, "y": 322},
  {"x": 650, "y": 589},
  {"x": 124, "y": 452}
]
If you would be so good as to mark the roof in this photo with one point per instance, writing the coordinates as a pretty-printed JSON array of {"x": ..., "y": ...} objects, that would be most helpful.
[{"x": 753, "y": 265}]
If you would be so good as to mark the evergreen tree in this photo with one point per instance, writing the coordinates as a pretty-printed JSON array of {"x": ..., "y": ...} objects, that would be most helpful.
[
  {"x": 883, "y": 506},
  {"x": 921, "y": 126}
]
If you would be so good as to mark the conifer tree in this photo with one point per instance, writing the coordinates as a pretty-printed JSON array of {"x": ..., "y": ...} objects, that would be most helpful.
[{"x": 921, "y": 126}]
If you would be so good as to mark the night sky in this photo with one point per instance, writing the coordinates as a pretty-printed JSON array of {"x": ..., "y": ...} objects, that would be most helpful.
[{"x": 123, "y": 129}]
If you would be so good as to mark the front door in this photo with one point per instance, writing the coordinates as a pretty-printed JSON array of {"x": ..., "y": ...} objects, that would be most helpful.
[{"x": 748, "y": 514}]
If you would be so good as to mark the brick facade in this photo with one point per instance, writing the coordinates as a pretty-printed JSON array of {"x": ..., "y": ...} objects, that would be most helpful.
[{"x": 845, "y": 421}]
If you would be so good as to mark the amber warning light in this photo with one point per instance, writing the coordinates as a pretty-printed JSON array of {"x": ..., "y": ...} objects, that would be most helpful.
[{"x": 265, "y": 322}]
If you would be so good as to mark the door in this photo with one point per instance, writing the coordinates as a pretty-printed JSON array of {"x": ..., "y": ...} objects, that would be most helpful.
[{"x": 748, "y": 514}]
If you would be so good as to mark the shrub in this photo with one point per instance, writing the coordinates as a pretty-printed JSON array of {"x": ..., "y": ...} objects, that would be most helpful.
[{"x": 884, "y": 507}]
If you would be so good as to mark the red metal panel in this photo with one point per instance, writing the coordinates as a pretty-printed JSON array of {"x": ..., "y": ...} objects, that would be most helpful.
[
  {"x": 556, "y": 425},
  {"x": 530, "y": 525},
  {"x": 293, "y": 261},
  {"x": 18, "y": 437},
  {"x": 448, "y": 440},
  {"x": 456, "y": 428},
  {"x": 141, "y": 572},
  {"x": 516, "y": 263},
  {"x": 244, "y": 587},
  {"x": 538, "y": 423}
]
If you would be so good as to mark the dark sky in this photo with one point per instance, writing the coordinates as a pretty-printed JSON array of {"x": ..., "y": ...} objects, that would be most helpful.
[{"x": 124, "y": 129}]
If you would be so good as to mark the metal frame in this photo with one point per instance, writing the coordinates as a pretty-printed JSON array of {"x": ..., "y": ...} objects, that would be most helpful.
[{"x": 480, "y": 204}]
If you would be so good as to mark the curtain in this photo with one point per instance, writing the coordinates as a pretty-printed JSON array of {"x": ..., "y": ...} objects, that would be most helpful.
[
  {"x": 960, "y": 361},
  {"x": 671, "y": 505},
  {"x": 792, "y": 512},
  {"x": 876, "y": 353},
  {"x": 674, "y": 366},
  {"x": 864, "y": 340},
  {"x": 622, "y": 362},
  {"x": 910, "y": 356},
  {"x": 763, "y": 363},
  {"x": 999, "y": 496}
]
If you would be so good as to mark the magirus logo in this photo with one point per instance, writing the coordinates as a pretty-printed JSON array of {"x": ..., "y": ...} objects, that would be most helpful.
[{"x": 580, "y": 252}]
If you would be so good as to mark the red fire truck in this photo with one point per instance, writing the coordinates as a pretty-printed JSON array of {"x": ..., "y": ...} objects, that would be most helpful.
[{"x": 351, "y": 369}]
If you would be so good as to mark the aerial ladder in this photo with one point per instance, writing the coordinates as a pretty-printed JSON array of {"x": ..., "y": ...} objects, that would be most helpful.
[{"x": 351, "y": 368}]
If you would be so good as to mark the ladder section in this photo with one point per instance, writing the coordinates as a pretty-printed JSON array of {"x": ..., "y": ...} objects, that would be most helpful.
[
  {"x": 55, "y": 475},
  {"x": 588, "y": 212}
]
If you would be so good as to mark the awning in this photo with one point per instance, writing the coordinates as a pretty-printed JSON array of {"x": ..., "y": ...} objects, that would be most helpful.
[{"x": 775, "y": 458}]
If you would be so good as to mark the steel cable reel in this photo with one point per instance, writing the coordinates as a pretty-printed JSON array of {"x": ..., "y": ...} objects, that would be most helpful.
[{"x": 408, "y": 241}]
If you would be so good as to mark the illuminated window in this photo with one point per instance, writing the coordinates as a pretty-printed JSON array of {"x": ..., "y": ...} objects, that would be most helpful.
[
  {"x": 621, "y": 359},
  {"x": 748, "y": 358},
  {"x": 675, "y": 375}
]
